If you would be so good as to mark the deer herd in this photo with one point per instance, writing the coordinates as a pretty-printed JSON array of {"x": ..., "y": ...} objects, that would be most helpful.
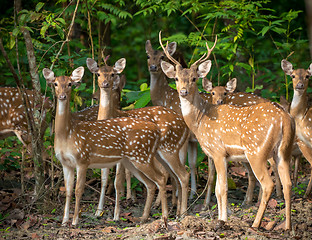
[{"x": 153, "y": 142}]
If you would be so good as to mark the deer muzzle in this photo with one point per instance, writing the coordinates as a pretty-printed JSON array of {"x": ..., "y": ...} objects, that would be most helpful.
[
  {"x": 105, "y": 84},
  {"x": 183, "y": 92},
  {"x": 153, "y": 68},
  {"x": 62, "y": 97},
  {"x": 299, "y": 86}
]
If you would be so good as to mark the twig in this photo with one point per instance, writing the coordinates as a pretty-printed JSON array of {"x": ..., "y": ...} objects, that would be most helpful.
[{"x": 67, "y": 37}]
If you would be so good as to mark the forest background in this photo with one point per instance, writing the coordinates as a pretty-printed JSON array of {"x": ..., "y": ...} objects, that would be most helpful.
[{"x": 253, "y": 38}]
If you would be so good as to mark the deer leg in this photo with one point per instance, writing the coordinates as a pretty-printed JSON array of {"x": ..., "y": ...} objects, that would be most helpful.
[
  {"x": 158, "y": 198},
  {"x": 150, "y": 187},
  {"x": 69, "y": 177},
  {"x": 283, "y": 172},
  {"x": 192, "y": 159},
  {"x": 278, "y": 184},
  {"x": 179, "y": 173},
  {"x": 211, "y": 176},
  {"x": 221, "y": 186},
  {"x": 128, "y": 181},
  {"x": 307, "y": 153},
  {"x": 119, "y": 180},
  {"x": 260, "y": 170},
  {"x": 295, "y": 176},
  {"x": 80, "y": 185},
  {"x": 104, "y": 180},
  {"x": 251, "y": 185}
]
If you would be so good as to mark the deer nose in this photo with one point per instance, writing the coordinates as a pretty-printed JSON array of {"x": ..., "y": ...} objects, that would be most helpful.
[
  {"x": 153, "y": 68},
  {"x": 105, "y": 84},
  {"x": 62, "y": 96},
  {"x": 300, "y": 85},
  {"x": 220, "y": 102},
  {"x": 183, "y": 92}
]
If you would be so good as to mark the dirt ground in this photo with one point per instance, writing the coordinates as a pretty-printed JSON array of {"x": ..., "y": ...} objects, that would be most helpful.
[{"x": 19, "y": 219}]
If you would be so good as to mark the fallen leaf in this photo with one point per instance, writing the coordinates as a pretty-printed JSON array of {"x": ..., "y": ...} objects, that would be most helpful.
[
  {"x": 238, "y": 171},
  {"x": 272, "y": 203},
  {"x": 35, "y": 236}
]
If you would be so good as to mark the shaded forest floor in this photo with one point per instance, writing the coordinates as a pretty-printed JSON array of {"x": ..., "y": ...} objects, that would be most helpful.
[{"x": 21, "y": 219}]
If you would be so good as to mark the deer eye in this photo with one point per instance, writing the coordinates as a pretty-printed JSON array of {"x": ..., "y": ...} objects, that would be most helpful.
[
  {"x": 69, "y": 84},
  {"x": 225, "y": 93},
  {"x": 113, "y": 74},
  {"x": 176, "y": 79},
  {"x": 162, "y": 57},
  {"x": 308, "y": 76},
  {"x": 97, "y": 74},
  {"x": 148, "y": 57},
  {"x": 213, "y": 93},
  {"x": 55, "y": 84},
  {"x": 194, "y": 79},
  {"x": 293, "y": 76}
]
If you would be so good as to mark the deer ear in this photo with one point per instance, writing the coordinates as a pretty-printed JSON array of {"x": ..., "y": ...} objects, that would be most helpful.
[
  {"x": 92, "y": 65},
  {"x": 122, "y": 81},
  {"x": 231, "y": 85},
  {"x": 204, "y": 68},
  {"x": 48, "y": 75},
  {"x": 310, "y": 69},
  {"x": 172, "y": 47},
  {"x": 77, "y": 74},
  {"x": 120, "y": 65},
  {"x": 148, "y": 46},
  {"x": 207, "y": 85},
  {"x": 168, "y": 69},
  {"x": 116, "y": 82},
  {"x": 287, "y": 67}
]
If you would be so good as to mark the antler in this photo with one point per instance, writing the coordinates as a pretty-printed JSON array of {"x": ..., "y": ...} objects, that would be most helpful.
[
  {"x": 202, "y": 59},
  {"x": 166, "y": 51}
]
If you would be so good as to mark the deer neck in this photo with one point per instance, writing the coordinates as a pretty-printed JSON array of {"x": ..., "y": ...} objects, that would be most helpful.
[
  {"x": 299, "y": 105},
  {"x": 62, "y": 120},
  {"x": 105, "y": 107},
  {"x": 193, "y": 110},
  {"x": 159, "y": 86}
]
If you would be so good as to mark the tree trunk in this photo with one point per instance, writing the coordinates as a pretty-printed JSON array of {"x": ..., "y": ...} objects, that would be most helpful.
[
  {"x": 36, "y": 135},
  {"x": 308, "y": 4}
]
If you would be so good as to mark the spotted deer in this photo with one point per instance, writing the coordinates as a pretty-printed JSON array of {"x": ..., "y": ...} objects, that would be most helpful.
[
  {"x": 226, "y": 95},
  {"x": 301, "y": 111},
  {"x": 174, "y": 131},
  {"x": 12, "y": 115},
  {"x": 227, "y": 132},
  {"x": 163, "y": 95},
  {"x": 100, "y": 144}
]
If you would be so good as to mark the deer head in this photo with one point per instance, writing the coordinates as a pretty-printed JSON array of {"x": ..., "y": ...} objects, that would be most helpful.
[
  {"x": 300, "y": 77},
  {"x": 154, "y": 57},
  {"x": 219, "y": 93},
  {"x": 108, "y": 77},
  {"x": 186, "y": 77},
  {"x": 63, "y": 84}
]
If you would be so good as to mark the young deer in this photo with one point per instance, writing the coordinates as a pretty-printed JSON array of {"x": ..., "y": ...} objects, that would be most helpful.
[
  {"x": 12, "y": 115},
  {"x": 174, "y": 131},
  {"x": 301, "y": 111},
  {"x": 163, "y": 95},
  {"x": 100, "y": 144},
  {"x": 226, "y": 132},
  {"x": 226, "y": 95}
]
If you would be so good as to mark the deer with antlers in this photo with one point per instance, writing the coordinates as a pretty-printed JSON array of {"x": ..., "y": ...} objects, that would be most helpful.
[
  {"x": 301, "y": 111},
  {"x": 226, "y": 132},
  {"x": 100, "y": 144},
  {"x": 174, "y": 131},
  {"x": 163, "y": 95}
]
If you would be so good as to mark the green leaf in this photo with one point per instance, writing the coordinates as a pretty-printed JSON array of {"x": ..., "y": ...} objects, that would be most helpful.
[
  {"x": 44, "y": 29},
  {"x": 143, "y": 100},
  {"x": 144, "y": 87},
  {"x": 39, "y": 6}
]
